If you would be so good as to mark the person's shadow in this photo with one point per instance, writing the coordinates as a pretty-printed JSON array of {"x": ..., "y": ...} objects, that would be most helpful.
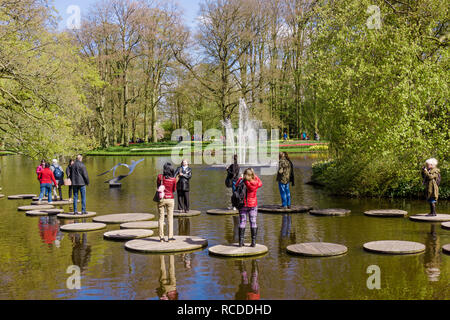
[
  {"x": 432, "y": 260},
  {"x": 167, "y": 282},
  {"x": 248, "y": 289}
]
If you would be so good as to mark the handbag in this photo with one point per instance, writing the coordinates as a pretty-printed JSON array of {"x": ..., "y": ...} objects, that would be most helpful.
[
  {"x": 156, "y": 197},
  {"x": 67, "y": 182}
]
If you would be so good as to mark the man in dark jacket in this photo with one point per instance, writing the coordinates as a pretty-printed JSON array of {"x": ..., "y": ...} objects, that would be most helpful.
[
  {"x": 80, "y": 180},
  {"x": 184, "y": 173}
]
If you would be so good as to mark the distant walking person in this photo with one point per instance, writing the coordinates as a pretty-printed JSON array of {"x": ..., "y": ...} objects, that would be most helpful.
[
  {"x": 232, "y": 175},
  {"x": 80, "y": 179},
  {"x": 168, "y": 183},
  {"x": 68, "y": 178},
  {"x": 39, "y": 168},
  {"x": 250, "y": 208},
  {"x": 184, "y": 174},
  {"x": 431, "y": 180},
  {"x": 46, "y": 178},
  {"x": 59, "y": 177},
  {"x": 285, "y": 175}
]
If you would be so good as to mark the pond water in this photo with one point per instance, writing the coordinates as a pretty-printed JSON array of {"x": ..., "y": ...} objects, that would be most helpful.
[{"x": 35, "y": 254}]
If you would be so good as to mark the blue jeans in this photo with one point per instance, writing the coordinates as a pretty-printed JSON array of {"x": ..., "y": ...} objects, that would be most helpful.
[
  {"x": 47, "y": 188},
  {"x": 82, "y": 190},
  {"x": 285, "y": 194}
]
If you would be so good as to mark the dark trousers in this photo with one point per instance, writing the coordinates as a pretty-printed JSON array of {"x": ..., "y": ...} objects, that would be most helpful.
[
  {"x": 183, "y": 200},
  {"x": 70, "y": 192}
]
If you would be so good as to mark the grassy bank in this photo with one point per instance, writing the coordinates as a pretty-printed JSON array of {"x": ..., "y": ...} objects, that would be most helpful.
[
  {"x": 166, "y": 148},
  {"x": 407, "y": 185}
]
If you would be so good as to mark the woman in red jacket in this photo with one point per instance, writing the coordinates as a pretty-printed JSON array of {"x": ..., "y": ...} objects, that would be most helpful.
[
  {"x": 46, "y": 178},
  {"x": 167, "y": 203},
  {"x": 253, "y": 183}
]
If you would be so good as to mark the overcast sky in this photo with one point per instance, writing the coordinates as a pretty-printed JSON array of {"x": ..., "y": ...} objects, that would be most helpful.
[{"x": 190, "y": 9}]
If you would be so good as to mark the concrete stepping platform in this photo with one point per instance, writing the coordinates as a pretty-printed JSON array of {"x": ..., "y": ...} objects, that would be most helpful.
[
  {"x": 222, "y": 211},
  {"x": 153, "y": 245},
  {"x": 190, "y": 213},
  {"x": 317, "y": 249},
  {"x": 76, "y": 227},
  {"x": 445, "y": 225},
  {"x": 394, "y": 247},
  {"x": 48, "y": 212},
  {"x": 446, "y": 248},
  {"x": 2, "y": 196},
  {"x": 233, "y": 250},
  {"x": 140, "y": 225},
  {"x": 386, "y": 213},
  {"x": 127, "y": 234},
  {"x": 40, "y": 207},
  {"x": 55, "y": 203},
  {"x": 424, "y": 218},
  {"x": 330, "y": 212},
  {"x": 124, "y": 217},
  {"x": 88, "y": 214},
  {"x": 278, "y": 209},
  {"x": 21, "y": 196}
]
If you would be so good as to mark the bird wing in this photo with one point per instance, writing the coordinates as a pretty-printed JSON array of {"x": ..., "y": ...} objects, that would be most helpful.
[
  {"x": 133, "y": 165},
  {"x": 113, "y": 168}
]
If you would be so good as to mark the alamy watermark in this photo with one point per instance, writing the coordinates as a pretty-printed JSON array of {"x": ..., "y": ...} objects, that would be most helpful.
[
  {"x": 374, "y": 280},
  {"x": 74, "y": 20},
  {"x": 374, "y": 21},
  {"x": 74, "y": 280},
  {"x": 253, "y": 147}
]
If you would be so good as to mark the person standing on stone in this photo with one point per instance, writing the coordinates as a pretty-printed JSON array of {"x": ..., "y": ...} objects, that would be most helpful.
[
  {"x": 232, "y": 176},
  {"x": 250, "y": 208},
  {"x": 46, "y": 178},
  {"x": 80, "y": 179},
  {"x": 431, "y": 179},
  {"x": 285, "y": 175},
  {"x": 166, "y": 204},
  {"x": 184, "y": 174},
  {"x": 59, "y": 177},
  {"x": 68, "y": 172},
  {"x": 39, "y": 168}
]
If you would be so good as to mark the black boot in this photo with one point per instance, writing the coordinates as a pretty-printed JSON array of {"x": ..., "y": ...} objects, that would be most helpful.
[
  {"x": 432, "y": 209},
  {"x": 241, "y": 236},
  {"x": 254, "y": 233}
]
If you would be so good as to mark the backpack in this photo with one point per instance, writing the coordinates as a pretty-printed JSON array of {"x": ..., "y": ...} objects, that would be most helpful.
[
  {"x": 239, "y": 195},
  {"x": 58, "y": 173}
]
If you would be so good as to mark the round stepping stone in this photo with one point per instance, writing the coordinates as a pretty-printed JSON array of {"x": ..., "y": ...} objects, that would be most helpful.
[
  {"x": 2, "y": 195},
  {"x": 140, "y": 225},
  {"x": 127, "y": 234},
  {"x": 223, "y": 211},
  {"x": 21, "y": 196},
  {"x": 446, "y": 248},
  {"x": 40, "y": 207},
  {"x": 437, "y": 218},
  {"x": 394, "y": 247},
  {"x": 330, "y": 212},
  {"x": 55, "y": 203},
  {"x": 233, "y": 250},
  {"x": 190, "y": 213},
  {"x": 278, "y": 209},
  {"x": 386, "y": 213},
  {"x": 76, "y": 216},
  {"x": 74, "y": 227},
  {"x": 48, "y": 212},
  {"x": 317, "y": 249},
  {"x": 445, "y": 225},
  {"x": 124, "y": 217},
  {"x": 153, "y": 245}
]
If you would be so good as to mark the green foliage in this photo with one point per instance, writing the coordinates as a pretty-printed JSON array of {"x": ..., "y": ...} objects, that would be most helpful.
[{"x": 385, "y": 93}]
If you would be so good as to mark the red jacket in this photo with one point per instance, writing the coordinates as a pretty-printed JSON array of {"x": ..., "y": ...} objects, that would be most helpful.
[
  {"x": 46, "y": 176},
  {"x": 252, "y": 187},
  {"x": 170, "y": 186}
]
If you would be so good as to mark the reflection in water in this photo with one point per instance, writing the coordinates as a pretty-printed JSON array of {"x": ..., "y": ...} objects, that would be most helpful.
[
  {"x": 184, "y": 226},
  {"x": 167, "y": 285},
  {"x": 287, "y": 234},
  {"x": 248, "y": 291},
  {"x": 432, "y": 255},
  {"x": 81, "y": 250},
  {"x": 49, "y": 231}
]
